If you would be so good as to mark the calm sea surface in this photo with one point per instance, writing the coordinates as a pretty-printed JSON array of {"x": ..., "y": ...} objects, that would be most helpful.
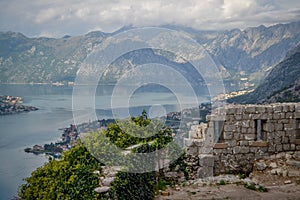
[{"x": 23, "y": 130}]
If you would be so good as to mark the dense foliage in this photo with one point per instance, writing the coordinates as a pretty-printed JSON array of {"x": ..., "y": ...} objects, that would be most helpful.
[{"x": 72, "y": 177}]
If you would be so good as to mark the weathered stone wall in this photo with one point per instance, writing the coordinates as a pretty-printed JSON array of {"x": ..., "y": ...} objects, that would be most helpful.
[{"x": 238, "y": 135}]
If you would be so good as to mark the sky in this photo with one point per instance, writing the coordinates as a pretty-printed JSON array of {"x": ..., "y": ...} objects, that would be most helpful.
[{"x": 56, "y": 18}]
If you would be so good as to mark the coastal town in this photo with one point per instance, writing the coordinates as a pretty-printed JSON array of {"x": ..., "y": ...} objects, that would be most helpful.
[
  {"x": 12, "y": 105},
  {"x": 72, "y": 134},
  {"x": 69, "y": 138}
]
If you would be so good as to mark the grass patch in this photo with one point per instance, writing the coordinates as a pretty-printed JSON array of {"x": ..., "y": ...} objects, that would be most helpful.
[
  {"x": 253, "y": 187},
  {"x": 250, "y": 186},
  {"x": 262, "y": 188},
  {"x": 242, "y": 176},
  {"x": 222, "y": 182}
]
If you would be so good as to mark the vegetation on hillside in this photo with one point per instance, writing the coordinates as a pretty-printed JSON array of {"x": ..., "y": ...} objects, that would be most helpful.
[{"x": 73, "y": 177}]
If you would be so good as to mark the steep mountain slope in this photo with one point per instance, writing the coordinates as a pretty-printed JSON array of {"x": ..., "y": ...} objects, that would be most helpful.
[
  {"x": 249, "y": 54},
  {"x": 25, "y": 60},
  {"x": 282, "y": 83},
  {"x": 243, "y": 56}
]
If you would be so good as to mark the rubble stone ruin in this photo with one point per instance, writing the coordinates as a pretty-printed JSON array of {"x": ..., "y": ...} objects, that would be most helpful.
[{"x": 236, "y": 136}]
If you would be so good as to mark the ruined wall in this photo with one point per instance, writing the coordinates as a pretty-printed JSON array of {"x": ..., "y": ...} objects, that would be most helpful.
[{"x": 238, "y": 135}]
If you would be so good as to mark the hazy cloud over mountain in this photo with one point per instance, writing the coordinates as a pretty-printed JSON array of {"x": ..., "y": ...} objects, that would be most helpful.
[{"x": 74, "y": 17}]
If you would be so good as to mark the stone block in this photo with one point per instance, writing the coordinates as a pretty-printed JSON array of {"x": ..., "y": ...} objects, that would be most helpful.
[
  {"x": 205, "y": 150},
  {"x": 254, "y": 149},
  {"x": 236, "y": 136},
  {"x": 209, "y": 136},
  {"x": 285, "y": 108},
  {"x": 294, "y": 173},
  {"x": 206, "y": 160},
  {"x": 260, "y": 109},
  {"x": 293, "y": 163},
  {"x": 277, "y": 109},
  {"x": 204, "y": 172},
  {"x": 265, "y": 116},
  {"x": 103, "y": 189},
  {"x": 286, "y": 147},
  {"x": 278, "y": 116},
  {"x": 165, "y": 193},
  {"x": 258, "y": 144},
  {"x": 285, "y": 140},
  {"x": 192, "y": 151},
  {"x": 296, "y": 155},
  {"x": 293, "y": 147},
  {"x": 189, "y": 142},
  {"x": 231, "y": 143},
  {"x": 229, "y": 128},
  {"x": 243, "y": 143},
  {"x": 278, "y": 127},
  {"x": 260, "y": 166},
  {"x": 284, "y": 121},
  {"x": 228, "y": 135},
  {"x": 269, "y": 109},
  {"x": 297, "y": 141},
  {"x": 249, "y": 137},
  {"x": 219, "y": 151},
  {"x": 236, "y": 150},
  {"x": 278, "y": 147},
  {"x": 292, "y": 107},
  {"x": 252, "y": 124},
  {"x": 297, "y": 115},
  {"x": 244, "y": 130},
  {"x": 251, "y": 130},
  {"x": 247, "y": 116},
  {"x": 229, "y": 118},
  {"x": 245, "y": 124},
  {"x": 250, "y": 109},
  {"x": 238, "y": 117},
  {"x": 231, "y": 111},
  {"x": 289, "y": 127},
  {"x": 199, "y": 143},
  {"x": 289, "y": 115},
  {"x": 297, "y": 108},
  {"x": 271, "y": 149},
  {"x": 107, "y": 181},
  {"x": 220, "y": 146},
  {"x": 240, "y": 110},
  {"x": 256, "y": 116},
  {"x": 269, "y": 127},
  {"x": 244, "y": 150}
]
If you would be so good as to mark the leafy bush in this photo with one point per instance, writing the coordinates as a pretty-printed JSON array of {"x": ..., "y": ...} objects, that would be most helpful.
[{"x": 71, "y": 177}]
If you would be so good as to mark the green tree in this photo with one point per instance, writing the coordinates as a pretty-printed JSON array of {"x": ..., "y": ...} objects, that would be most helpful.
[{"x": 71, "y": 177}]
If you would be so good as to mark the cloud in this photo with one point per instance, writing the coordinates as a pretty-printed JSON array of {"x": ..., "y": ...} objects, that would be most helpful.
[{"x": 76, "y": 17}]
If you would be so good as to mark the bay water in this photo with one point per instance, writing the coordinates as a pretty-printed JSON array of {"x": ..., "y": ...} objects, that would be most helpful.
[{"x": 19, "y": 131}]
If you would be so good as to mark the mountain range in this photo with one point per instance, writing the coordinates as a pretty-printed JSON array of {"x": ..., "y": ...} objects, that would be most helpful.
[
  {"x": 244, "y": 57},
  {"x": 282, "y": 84}
]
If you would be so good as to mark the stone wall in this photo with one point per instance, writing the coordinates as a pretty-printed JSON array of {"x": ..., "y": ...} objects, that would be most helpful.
[{"x": 238, "y": 135}]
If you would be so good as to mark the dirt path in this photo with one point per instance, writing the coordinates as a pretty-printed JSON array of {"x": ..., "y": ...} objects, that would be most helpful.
[{"x": 277, "y": 189}]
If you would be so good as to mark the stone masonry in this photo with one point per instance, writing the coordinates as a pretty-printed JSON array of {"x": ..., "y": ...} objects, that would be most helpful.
[{"x": 238, "y": 135}]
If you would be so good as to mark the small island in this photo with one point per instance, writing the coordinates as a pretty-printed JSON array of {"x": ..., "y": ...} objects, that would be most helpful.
[{"x": 13, "y": 105}]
